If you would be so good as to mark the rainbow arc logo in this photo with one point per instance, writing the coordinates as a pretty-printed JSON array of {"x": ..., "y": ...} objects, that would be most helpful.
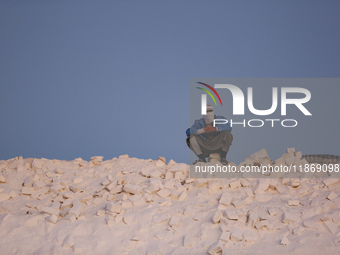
[{"x": 209, "y": 93}]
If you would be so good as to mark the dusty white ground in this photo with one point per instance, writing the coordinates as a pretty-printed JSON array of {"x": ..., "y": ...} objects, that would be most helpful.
[{"x": 135, "y": 206}]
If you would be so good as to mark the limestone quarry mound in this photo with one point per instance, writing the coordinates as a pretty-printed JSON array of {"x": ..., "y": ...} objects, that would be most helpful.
[{"x": 134, "y": 206}]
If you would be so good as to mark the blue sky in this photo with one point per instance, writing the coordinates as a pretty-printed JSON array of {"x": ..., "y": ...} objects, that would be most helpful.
[{"x": 85, "y": 78}]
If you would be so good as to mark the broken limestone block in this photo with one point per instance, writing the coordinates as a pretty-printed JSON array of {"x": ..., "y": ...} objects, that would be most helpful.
[
  {"x": 332, "y": 196},
  {"x": 226, "y": 199},
  {"x": 175, "y": 194},
  {"x": 27, "y": 190},
  {"x": 298, "y": 155},
  {"x": 180, "y": 176},
  {"x": 52, "y": 218},
  {"x": 214, "y": 186},
  {"x": 105, "y": 181},
  {"x": 336, "y": 217},
  {"x": 125, "y": 156},
  {"x": 311, "y": 224},
  {"x": 294, "y": 183},
  {"x": 273, "y": 183},
  {"x": 51, "y": 210},
  {"x": 282, "y": 189},
  {"x": 116, "y": 189},
  {"x": 217, "y": 217},
  {"x": 4, "y": 197},
  {"x": 231, "y": 215},
  {"x": 139, "y": 202},
  {"x": 225, "y": 236},
  {"x": 71, "y": 218},
  {"x": 37, "y": 163},
  {"x": 332, "y": 227},
  {"x": 174, "y": 222},
  {"x": 263, "y": 185},
  {"x": 160, "y": 163},
  {"x": 68, "y": 242},
  {"x": 66, "y": 203},
  {"x": 289, "y": 217},
  {"x": 156, "y": 174},
  {"x": 235, "y": 184},
  {"x": 74, "y": 188},
  {"x": 249, "y": 192},
  {"x": 239, "y": 203},
  {"x": 169, "y": 175},
  {"x": 165, "y": 202},
  {"x": 215, "y": 249},
  {"x": 183, "y": 196},
  {"x": 146, "y": 172},
  {"x": 163, "y": 193},
  {"x": 58, "y": 171},
  {"x": 133, "y": 189},
  {"x": 38, "y": 184},
  {"x": 111, "y": 185},
  {"x": 109, "y": 221},
  {"x": 290, "y": 151},
  {"x": 128, "y": 219},
  {"x": 96, "y": 160},
  {"x": 328, "y": 205},
  {"x": 13, "y": 194},
  {"x": 236, "y": 236},
  {"x": 272, "y": 211},
  {"x": 100, "y": 212},
  {"x": 250, "y": 237},
  {"x": 162, "y": 159},
  {"x": 285, "y": 241},
  {"x": 325, "y": 217},
  {"x": 293, "y": 202},
  {"x": 127, "y": 204},
  {"x": 76, "y": 208},
  {"x": 169, "y": 185},
  {"x": 263, "y": 197},
  {"x": 28, "y": 182},
  {"x": 199, "y": 183},
  {"x": 330, "y": 181},
  {"x": 298, "y": 231},
  {"x": 245, "y": 182},
  {"x": 116, "y": 208},
  {"x": 261, "y": 224},
  {"x": 188, "y": 241},
  {"x": 159, "y": 219},
  {"x": 152, "y": 189},
  {"x": 253, "y": 219},
  {"x": 77, "y": 180},
  {"x": 120, "y": 197}
]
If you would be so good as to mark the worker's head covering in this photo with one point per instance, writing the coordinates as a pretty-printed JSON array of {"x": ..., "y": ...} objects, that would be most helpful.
[{"x": 209, "y": 117}]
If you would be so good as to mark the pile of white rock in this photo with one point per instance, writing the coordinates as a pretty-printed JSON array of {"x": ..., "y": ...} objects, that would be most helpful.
[{"x": 128, "y": 205}]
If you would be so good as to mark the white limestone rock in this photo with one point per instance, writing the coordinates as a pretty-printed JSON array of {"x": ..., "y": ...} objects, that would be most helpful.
[
  {"x": 293, "y": 202},
  {"x": 226, "y": 199},
  {"x": 76, "y": 208},
  {"x": 183, "y": 196},
  {"x": 27, "y": 190},
  {"x": 332, "y": 227},
  {"x": 133, "y": 189},
  {"x": 289, "y": 217},
  {"x": 2, "y": 179},
  {"x": 112, "y": 207},
  {"x": 285, "y": 241},
  {"x": 164, "y": 193},
  {"x": 96, "y": 160},
  {"x": 236, "y": 235},
  {"x": 174, "y": 222},
  {"x": 217, "y": 216},
  {"x": 4, "y": 197},
  {"x": 332, "y": 196}
]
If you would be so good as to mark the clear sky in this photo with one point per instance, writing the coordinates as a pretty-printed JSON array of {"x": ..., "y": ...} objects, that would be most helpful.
[{"x": 88, "y": 78}]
